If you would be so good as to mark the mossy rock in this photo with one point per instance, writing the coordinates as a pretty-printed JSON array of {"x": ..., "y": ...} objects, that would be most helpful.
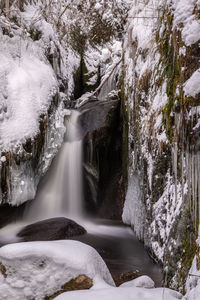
[
  {"x": 82, "y": 282},
  {"x": 3, "y": 270}
]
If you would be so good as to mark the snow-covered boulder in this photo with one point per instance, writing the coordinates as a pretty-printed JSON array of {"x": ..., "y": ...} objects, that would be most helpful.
[
  {"x": 129, "y": 293},
  {"x": 142, "y": 281},
  {"x": 39, "y": 269}
]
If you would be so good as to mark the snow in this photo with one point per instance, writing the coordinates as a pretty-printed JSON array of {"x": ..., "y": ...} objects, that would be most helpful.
[
  {"x": 142, "y": 281},
  {"x": 37, "y": 269},
  {"x": 143, "y": 18},
  {"x": 165, "y": 213},
  {"x": 183, "y": 14},
  {"x": 193, "y": 280},
  {"x": 192, "y": 85},
  {"x": 27, "y": 80},
  {"x": 121, "y": 293},
  {"x": 133, "y": 211},
  {"x": 41, "y": 268},
  {"x": 3, "y": 159},
  {"x": 29, "y": 85}
]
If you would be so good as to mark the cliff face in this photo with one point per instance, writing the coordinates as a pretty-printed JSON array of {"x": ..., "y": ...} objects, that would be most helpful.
[
  {"x": 103, "y": 181},
  {"x": 160, "y": 92}
]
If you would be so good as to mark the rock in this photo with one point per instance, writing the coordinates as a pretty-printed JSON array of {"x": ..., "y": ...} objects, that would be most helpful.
[
  {"x": 124, "y": 277},
  {"x": 102, "y": 132},
  {"x": 82, "y": 282},
  {"x": 3, "y": 270},
  {"x": 40, "y": 270},
  {"x": 142, "y": 282},
  {"x": 51, "y": 229}
]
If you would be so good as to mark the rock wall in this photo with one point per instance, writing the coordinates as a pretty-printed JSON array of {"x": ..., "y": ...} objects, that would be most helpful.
[
  {"x": 103, "y": 180},
  {"x": 160, "y": 92}
]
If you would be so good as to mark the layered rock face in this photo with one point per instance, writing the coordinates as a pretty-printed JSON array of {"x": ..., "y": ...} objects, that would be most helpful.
[
  {"x": 103, "y": 179},
  {"x": 160, "y": 93}
]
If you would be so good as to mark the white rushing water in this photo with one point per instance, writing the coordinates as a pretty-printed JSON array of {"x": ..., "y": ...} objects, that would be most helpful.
[{"x": 61, "y": 191}]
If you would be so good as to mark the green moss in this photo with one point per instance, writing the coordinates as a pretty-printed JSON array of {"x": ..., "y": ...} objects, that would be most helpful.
[
  {"x": 82, "y": 282},
  {"x": 188, "y": 254},
  {"x": 35, "y": 34},
  {"x": 167, "y": 46}
]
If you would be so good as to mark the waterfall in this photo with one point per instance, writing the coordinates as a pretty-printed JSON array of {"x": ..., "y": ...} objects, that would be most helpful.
[{"x": 60, "y": 192}]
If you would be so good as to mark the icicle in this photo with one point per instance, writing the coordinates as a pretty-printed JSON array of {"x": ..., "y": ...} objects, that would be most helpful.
[
  {"x": 198, "y": 158},
  {"x": 90, "y": 150},
  {"x": 196, "y": 190},
  {"x": 175, "y": 157},
  {"x": 182, "y": 174},
  {"x": 193, "y": 193}
]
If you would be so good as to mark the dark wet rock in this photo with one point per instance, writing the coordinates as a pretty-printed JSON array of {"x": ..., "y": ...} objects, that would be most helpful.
[
  {"x": 82, "y": 282},
  {"x": 102, "y": 130},
  {"x": 121, "y": 277},
  {"x": 51, "y": 229},
  {"x": 95, "y": 115},
  {"x": 9, "y": 214}
]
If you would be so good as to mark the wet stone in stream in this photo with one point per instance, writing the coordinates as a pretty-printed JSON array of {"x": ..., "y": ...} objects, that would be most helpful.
[
  {"x": 51, "y": 229},
  {"x": 122, "y": 277}
]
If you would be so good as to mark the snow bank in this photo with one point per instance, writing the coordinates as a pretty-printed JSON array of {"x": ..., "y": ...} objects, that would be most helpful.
[
  {"x": 121, "y": 293},
  {"x": 37, "y": 269},
  {"x": 142, "y": 281}
]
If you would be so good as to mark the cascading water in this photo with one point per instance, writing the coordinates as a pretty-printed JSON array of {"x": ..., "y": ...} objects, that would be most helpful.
[
  {"x": 61, "y": 190},
  {"x": 60, "y": 193}
]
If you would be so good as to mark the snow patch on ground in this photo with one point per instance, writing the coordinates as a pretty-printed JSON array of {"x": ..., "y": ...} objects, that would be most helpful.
[{"x": 121, "y": 293}]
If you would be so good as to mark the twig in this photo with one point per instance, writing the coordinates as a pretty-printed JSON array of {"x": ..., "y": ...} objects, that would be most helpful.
[{"x": 194, "y": 275}]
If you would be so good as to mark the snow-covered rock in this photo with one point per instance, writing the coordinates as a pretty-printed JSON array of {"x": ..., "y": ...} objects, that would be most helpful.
[
  {"x": 37, "y": 269},
  {"x": 142, "y": 281},
  {"x": 124, "y": 293}
]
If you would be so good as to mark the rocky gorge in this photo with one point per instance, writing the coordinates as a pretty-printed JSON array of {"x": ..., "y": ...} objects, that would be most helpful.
[{"x": 131, "y": 70}]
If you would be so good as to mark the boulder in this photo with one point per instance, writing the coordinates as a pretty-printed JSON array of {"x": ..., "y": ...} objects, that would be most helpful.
[
  {"x": 142, "y": 282},
  {"x": 102, "y": 132},
  {"x": 82, "y": 282},
  {"x": 51, "y": 229},
  {"x": 42, "y": 270}
]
